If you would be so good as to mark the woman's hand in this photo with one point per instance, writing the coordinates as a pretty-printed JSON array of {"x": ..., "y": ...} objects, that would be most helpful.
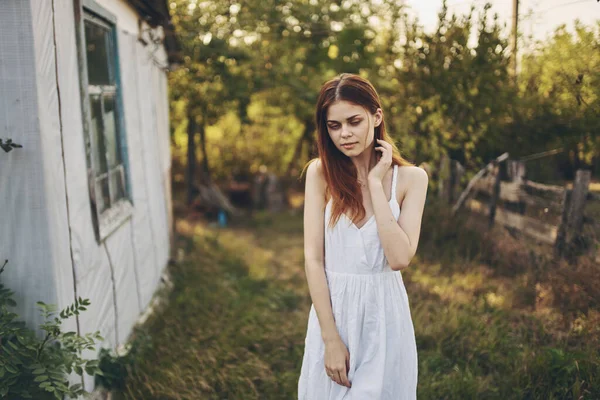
[
  {"x": 385, "y": 161},
  {"x": 337, "y": 361}
]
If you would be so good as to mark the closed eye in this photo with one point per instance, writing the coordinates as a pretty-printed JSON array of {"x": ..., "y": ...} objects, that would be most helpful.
[{"x": 337, "y": 126}]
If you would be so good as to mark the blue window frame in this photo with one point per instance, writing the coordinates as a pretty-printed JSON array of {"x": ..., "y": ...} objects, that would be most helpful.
[{"x": 103, "y": 119}]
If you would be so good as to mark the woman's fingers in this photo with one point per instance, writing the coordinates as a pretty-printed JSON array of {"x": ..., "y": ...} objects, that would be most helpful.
[
  {"x": 337, "y": 363},
  {"x": 385, "y": 148},
  {"x": 347, "y": 369},
  {"x": 385, "y": 144},
  {"x": 339, "y": 376},
  {"x": 344, "y": 379}
]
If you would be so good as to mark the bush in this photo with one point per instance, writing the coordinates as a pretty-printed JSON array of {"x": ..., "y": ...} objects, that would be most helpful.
[{"x": 35, "y": 368}]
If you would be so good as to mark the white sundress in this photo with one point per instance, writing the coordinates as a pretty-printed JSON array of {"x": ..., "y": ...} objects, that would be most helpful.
[{"x": 372, "y": 315}]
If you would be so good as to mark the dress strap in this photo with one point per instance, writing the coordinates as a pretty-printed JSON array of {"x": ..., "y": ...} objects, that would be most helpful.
[{"x": 394, "y": 181}]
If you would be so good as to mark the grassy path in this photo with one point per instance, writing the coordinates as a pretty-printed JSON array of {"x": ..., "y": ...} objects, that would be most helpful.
[{"x": 235, "y": 322}]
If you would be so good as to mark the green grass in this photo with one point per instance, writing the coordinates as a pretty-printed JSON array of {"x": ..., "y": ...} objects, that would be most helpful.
[{"x": 488, "y": 314}]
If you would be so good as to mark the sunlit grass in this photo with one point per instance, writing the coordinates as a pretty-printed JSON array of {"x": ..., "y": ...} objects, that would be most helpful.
[
  {"x": 487, "y": 324},
  {"x": 227, "y": 332}
]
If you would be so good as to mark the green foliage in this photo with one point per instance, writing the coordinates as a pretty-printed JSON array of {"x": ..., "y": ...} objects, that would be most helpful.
[
  {"x": 450, "y": 95},
  {"x": 34, "y": 368},
  {"x": 238, "y": 56},
  {"x": 560, "y": 95},
  {"x": 114, "y": 366},
  {"x": 449, "y": 91}
]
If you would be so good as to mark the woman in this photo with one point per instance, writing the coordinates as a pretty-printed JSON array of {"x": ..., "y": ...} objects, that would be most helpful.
[{"x": 360, "y": 341}]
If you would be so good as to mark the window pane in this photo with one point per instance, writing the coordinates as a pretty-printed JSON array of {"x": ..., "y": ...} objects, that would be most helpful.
[
  {"x": 98, "y": 48},
  {"x": 110, "y": 132},
  {"x": 103, "y": 191},
  {"x": 117, "y": 184},
  {"x": 98, "y": 144}
]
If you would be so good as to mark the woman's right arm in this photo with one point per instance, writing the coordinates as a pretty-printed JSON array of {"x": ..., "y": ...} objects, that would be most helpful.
[
  {"x": 336, "y": 353},
  {"x": 314, "y": 249}
]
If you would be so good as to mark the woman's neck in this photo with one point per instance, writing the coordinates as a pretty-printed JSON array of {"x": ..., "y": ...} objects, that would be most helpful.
[{"x": 364, "y": 162}]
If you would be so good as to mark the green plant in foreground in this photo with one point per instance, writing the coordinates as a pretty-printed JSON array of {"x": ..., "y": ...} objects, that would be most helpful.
[{"x": 38, "y": 368}]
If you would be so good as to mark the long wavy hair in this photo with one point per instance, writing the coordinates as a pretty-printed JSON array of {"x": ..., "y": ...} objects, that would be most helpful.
[{"x": 340, "y": 173}]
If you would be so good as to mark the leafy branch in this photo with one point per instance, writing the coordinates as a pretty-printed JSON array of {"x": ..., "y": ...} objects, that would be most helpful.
[{"x": 33, "y": 368}]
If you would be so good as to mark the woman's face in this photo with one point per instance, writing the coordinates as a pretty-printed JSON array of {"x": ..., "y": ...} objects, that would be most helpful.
[{"x": 351, "y": 127}]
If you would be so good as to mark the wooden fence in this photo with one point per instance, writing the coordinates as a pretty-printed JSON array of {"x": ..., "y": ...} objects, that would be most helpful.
[{"x": 549, "y": 214}]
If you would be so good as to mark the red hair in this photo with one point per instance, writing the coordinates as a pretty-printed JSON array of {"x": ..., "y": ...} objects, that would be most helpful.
[{"x": 339, "y": 171}]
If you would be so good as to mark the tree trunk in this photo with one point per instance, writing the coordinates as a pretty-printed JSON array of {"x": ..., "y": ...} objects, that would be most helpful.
[
  {"x": 191, "y": 157},
  {"x": 206, "y": 178},
  {"x": 309, "y": 128}
]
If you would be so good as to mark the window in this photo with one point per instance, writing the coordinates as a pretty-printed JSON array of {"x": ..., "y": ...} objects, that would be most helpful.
[{"x": 104, "y": 134}]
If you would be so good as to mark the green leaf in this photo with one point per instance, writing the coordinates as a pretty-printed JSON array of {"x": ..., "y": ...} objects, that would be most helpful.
[
  {"x": 39, "y": 371},
  {"x": 56, "y": 375},
  {"x": 10, "y": 368},
  {"x": 22, "y": 340},
  {"x": 76, "y": 386},
  {"x": 41, "y": 378},
  {"x": 8, "y": 350},
  {"x": 61, "y": 386}
]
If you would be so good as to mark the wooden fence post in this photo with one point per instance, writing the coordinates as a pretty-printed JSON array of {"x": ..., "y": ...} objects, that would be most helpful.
[
  {"x": 456, "y": 173},
  {"x": 516, "y": 173},
  {"x": 572, "y": 214},
  {"x": 444, "y": 176},
  {"x": 495, "y": 193},
  {"x": 516, "y": 170}
]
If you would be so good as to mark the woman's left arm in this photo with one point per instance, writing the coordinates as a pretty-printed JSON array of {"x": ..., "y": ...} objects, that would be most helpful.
[{"x": 400, "y": 239}]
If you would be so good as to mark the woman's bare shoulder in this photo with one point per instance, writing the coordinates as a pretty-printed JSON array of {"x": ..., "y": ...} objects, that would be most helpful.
[
  {"x": 411, "y": 177},
  {"x": 314, "y": 172},
  {"x": 412, "y": 173}
]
